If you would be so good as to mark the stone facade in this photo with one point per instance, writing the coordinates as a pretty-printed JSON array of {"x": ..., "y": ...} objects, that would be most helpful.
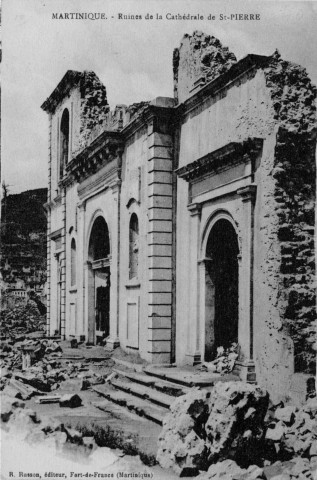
[{"x": 183, "y": 224}]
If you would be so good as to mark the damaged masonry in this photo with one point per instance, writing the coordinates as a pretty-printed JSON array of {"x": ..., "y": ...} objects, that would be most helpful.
[{"x": 181, "y": 245}]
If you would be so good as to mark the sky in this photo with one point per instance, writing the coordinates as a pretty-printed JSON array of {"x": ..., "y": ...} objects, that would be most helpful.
[{"x": 133, "y": 58}]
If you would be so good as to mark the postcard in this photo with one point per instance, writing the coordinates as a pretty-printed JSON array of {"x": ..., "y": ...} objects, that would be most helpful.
[{"x": 158, "y": 307}]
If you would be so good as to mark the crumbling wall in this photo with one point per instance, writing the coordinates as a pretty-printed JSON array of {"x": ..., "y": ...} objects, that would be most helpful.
[
  {"x": 199, "y": 55},
  {"x": 292, "y": 205},
  {"x": 94, "y": 105}
]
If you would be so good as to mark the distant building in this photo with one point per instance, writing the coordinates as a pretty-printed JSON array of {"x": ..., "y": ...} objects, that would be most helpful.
[{"x": 185, "y": 224}]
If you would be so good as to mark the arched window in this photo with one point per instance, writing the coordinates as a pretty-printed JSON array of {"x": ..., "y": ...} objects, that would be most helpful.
[
  {"x": 73, "y": 263},
  {"x": 133, "y": 246},
  {"x": 64, "y": 145}
]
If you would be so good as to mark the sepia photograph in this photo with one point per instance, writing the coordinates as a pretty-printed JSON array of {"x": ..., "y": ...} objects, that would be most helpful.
[{"x": 157, "y": 274}]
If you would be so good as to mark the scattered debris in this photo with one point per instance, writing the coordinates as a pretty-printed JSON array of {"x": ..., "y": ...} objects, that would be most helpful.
[
  {"x": 70, "y": 401},
  {"x": 224, "y": 362},
  {"x": 48, "y": 399}
]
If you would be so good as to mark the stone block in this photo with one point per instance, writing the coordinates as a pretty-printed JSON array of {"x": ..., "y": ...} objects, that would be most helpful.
[
  {"x": 159, "y": 357},
  {"x": 160, "y": 189},
  {"x": 286, "y": 414},
  {"x": 70, "y": 401},
  {"x": 159, "y": 346},
  {"x": 159, "y": 238},
  {"x": 160, "y": 298},
  {"x": 160, "y": 164},
  {"x": 160, "y": 214},
  {"x": 160, "y": 310},
  {"x": 159, "y": 322},
  {"x": 160, "y": 139},
  {"x": 159, "y": 177},
  {"x": 160, "y": 226},
  {"x": 160, "y": 262},
  {"x": 161, "y": 201},
  {"x": 159, "y": 334},
  {"x": 276, "y": 432},
  {"x": 160, "y": 274},
  {"x": 160, "y": 152},
  {"x": 160, "y": 250},
  {"x": 160, "y": 286}
]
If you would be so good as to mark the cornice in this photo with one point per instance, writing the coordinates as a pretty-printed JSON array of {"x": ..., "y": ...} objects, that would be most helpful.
[
  {"x": 107, "y": 147},
  {"x": 68, "y": 81},
  {"x": 146, "y": 115},
  {"x": 95, "y": 184},
  {"x": 231, "y": 153}
]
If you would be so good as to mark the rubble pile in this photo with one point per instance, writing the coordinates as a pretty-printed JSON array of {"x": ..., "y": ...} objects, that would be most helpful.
[
  {"x": 224, "y": 362},
  {"x": 231, "y": 433},
  {"x": 204, "y": 428},
  {"x": 11, "y": 351},
  {"x": 20, "y": 420},
  {"x": 297, "y": 468},
  {"x": 48, "y": 374},
  {"x": 20, "y": 320},
  {"x": 293, "y": 432},
  {"x": 182, "y": 440},
  {"x": 235, "y": 425}
]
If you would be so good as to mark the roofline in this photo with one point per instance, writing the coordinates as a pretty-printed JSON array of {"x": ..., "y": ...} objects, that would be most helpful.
[
  {"x": 71, "y": 78},
  {"x": 211, "y": 88}
]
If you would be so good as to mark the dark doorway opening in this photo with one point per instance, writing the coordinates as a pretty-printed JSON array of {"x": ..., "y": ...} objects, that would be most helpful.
[
  {"x": 102, "y": 311},
  {"x": 222, "y": 288},
  {"x": 99, "y": 282}
]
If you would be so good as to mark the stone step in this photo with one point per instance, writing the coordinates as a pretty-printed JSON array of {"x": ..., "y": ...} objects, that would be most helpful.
[
  {"x": 170, "y": 388},
  {"x": 137, "y": 405},
  {"x": 136, "y": 377},
  {"x": 144, "y": 392},
  {"x": 183, "y": 377},
  {"x": 189, "y": 376}
]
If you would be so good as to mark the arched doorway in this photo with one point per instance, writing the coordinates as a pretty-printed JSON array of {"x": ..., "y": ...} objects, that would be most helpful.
[
  {"x": 99, "y": 282},
  {"x": 222, "y": 287}
]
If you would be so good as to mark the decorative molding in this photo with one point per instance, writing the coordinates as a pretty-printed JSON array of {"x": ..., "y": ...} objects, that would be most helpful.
[
  {"x": 97, "y": 183},
  {"x": 145, "y": 116},
  {"x": 81, "y": 206},
  {"x": 101, "y": 263},
  {"x": 213, "y": 162},
  {"x": 69, "y": 80},
  {"x": 205, "y": 260},
  {"x": 248, "y": 193},
  {"x": 108, "y": 146},
  {"x": 56, "y": 234},
  {"x": 194, "y": 209}
]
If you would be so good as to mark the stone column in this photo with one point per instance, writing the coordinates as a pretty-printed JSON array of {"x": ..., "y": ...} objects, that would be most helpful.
[
  {"x": 193, "y": 355},
  {"x": 246, "y": 365}
]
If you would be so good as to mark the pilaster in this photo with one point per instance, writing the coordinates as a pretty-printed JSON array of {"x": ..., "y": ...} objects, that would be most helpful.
[
  {"x": 193, "y": 354},
  {"x": 160, "y": 244},
  {"x": 246, "y": 364},
  {"x": 48, "y": 240},
  {"x": 63, "y": 265},
  {"x": 81, "y": 206}
]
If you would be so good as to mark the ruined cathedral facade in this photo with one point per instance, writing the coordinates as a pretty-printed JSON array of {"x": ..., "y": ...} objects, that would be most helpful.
[{"x": 183, "y": 224}]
